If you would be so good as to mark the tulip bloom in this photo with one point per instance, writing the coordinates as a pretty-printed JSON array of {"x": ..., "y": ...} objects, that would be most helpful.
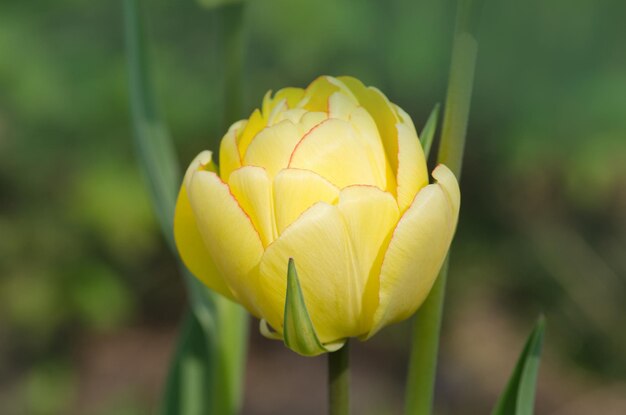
[{"x": 335, "y": 177}]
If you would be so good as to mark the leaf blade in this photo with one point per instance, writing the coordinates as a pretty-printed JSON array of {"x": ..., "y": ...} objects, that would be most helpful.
[
  {"x": 518, "y": 397},
  {"x": 213, "y": 343},
  {"x": 427, "y": 134}
]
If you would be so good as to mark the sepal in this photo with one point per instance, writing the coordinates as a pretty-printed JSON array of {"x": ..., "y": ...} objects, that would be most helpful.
[{"x": 298, "y": 332}]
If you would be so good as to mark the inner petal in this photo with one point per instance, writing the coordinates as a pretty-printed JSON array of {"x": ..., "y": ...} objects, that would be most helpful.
[
  {"x": 297, "y": 190},
  {"x": 333, "y": 150}
]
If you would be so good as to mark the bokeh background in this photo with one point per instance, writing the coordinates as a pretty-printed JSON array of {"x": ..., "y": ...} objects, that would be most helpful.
[{"x": 90, "y": 297}]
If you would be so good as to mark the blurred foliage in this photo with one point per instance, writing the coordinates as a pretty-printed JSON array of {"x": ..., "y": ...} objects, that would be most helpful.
[{"x": 544, "y": 209}]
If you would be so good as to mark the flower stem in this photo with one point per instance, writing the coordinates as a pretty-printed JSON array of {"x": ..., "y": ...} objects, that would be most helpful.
[
  {"x": 427, "y": 323},
  {"x": 339, "y": 381}
]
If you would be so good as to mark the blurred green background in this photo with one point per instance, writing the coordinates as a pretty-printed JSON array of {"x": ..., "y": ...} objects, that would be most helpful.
[{"x": 90, "y": 298}]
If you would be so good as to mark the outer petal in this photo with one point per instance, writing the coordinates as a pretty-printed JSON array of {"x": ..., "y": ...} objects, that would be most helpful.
[
  {"x": 417, "y": 249},
  {"x": 450, "y": 185},
  {"x": 252, "y": 188},
  {"x": 412, "y": 171},
  {"x": 189, "y": 242},
  {"x": 333, "y": 150},
  {"x": 230, "y": 159},
  {"x": 256, "y": 122},
  {"x": 297, "y": 190},
  {"x": 320, "y": 246},
  {"x": 228, "y": 233},
  {"x": 370, "y": 215}
]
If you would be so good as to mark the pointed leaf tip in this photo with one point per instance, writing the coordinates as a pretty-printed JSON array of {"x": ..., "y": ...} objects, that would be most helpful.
[
  {"x": 299, "y": 333},
  {"x": 428, "y": 132},
  {"x": 518, "y": 397}
]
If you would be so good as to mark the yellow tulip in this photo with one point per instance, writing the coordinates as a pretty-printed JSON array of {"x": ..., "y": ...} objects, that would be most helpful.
[{"x": 335, "y": 177}]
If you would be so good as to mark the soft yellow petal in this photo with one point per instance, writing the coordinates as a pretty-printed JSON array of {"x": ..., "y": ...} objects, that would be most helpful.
[
  {"x": 297, "y": 190},
  {"x": 341, "y": 106},
  {"x": 275, "y": 115},
  {"x": 366, "y": 129},
  {"x": 272, "y": 147},
  {"x": 294, "y": 115},
  {"x": 256, "y": 122},
  {"x": 333, "y": 150},
  {"x": 309, "y": 121},
  {"x": 370, "y": 215},
  {"x": 449, "y": 184},
  {"x": 252, "y": 188},
  {"x": 230, "y": 159},
  {"x": 292, "y": 95},
  {"x": 320, "y": 246},
  {"x": 317, "y": 93},
  {"x": 189, "y": 242},
  {"x": 416, "y": 251},
  {"x": 230, "y": 238},
  {"x": 412, "y": 171},
  {"x": 383, "y": 112},
  {"x": 268, "y": 104}
]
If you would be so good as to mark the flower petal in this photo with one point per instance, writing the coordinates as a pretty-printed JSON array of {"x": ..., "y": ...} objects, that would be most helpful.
[
  {"x": 252, "y": 188},
  {"x": 333, "y": 150},
  {"x": 341, "y": 106},
  {"x": 230, "y": 159},
  {"x": 382, "y": 111},
  {"x": 292, "y": 95},
  {"x": 272, "y": 147},
  {"x": 228, "y": 233},
  {"x": 297, "y": 190},
  {"x": 320, "y": 246},
  {"x": 189, "y": 242},
  {"x": 412, "y": 170},
  {"x": 256, "y": 122},
  {"x": 449, "y": 184},
  {"x": 364, "y": 125},
  {"x": 370, "y": 215},
  {"x": 416, "y": 251},
  {"x": 317, "y": 93}
]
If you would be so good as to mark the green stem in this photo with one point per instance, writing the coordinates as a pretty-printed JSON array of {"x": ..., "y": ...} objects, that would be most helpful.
[
  {"x": 424, "y": 346},
  {"x": 427, "y": 323},
  {"x": 339, "y": 381}
]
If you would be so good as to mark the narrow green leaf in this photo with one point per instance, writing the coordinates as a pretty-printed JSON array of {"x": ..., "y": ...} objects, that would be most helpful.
[
  {"x": 428, "y": 132},
  {"x": 154, "y": 146},
  {"x": 299, "y": 333},
  {"x": 207, "y": 371},
  {"x": 190, "y": 374},
  {"x": 519, "y": 396}
]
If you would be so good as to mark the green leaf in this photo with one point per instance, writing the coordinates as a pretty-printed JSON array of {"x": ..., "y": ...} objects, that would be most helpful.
[
  {"x": 154, "y": 146},
  {"x": 428, "y": 132},
  {"x": 208, "y": 367},
  {"x": 299, "y": 333},
  {"x": 519, "y": 396},
  {"x": 190, "y": 375}
]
